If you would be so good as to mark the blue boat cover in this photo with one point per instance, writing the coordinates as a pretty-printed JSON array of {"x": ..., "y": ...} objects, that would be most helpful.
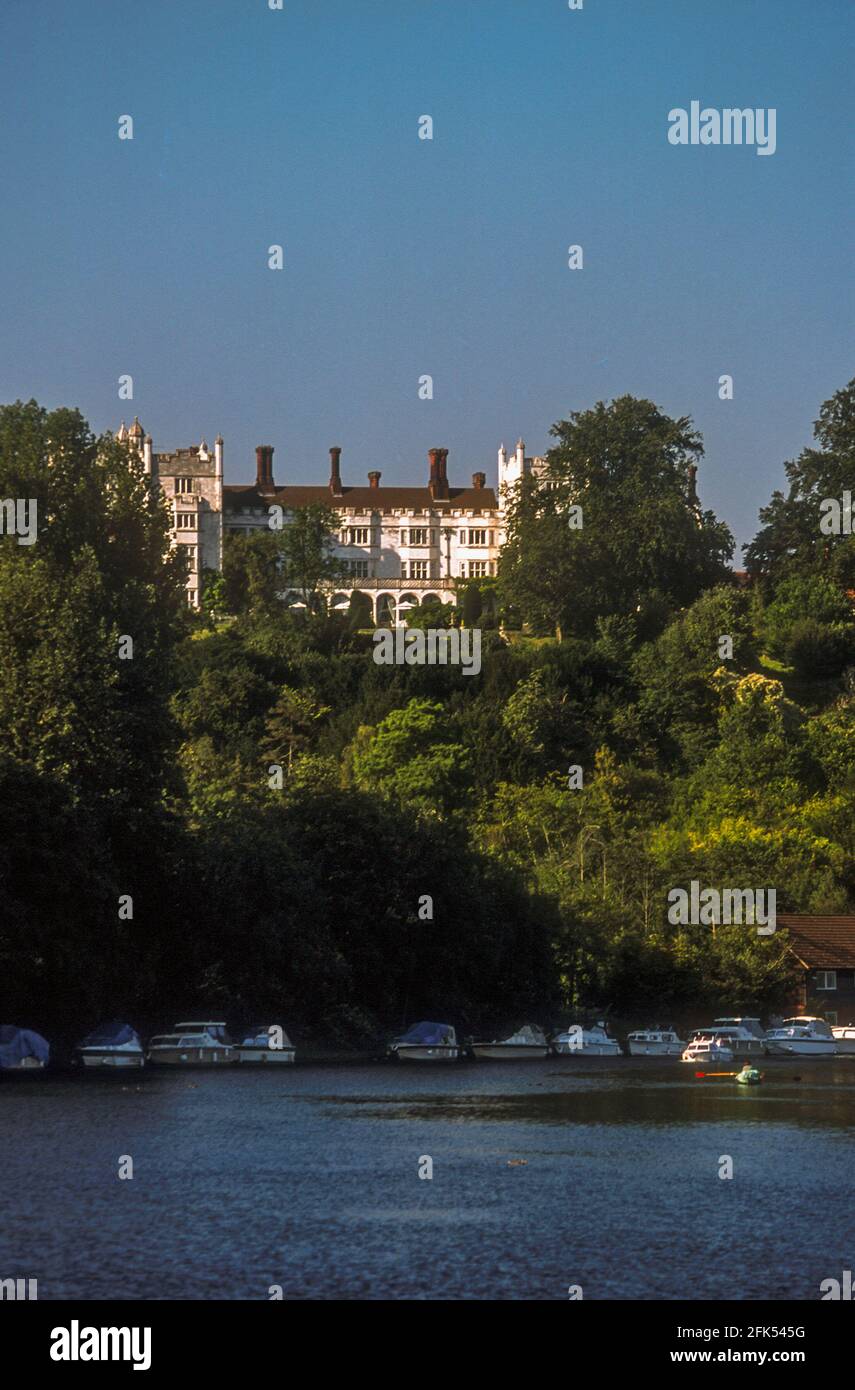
[
  {"x": 18, "y": 1043},
  {"x": 433, "y": 1033},
  {"x": 111, "y": 1034}
]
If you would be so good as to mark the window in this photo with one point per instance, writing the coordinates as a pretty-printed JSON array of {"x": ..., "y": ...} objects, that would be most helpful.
[
  {"x": 826, "y": 979},
  {"x": 187, "y": 521},
  {"x": 359, "y": 535},
  {"x": 418, "y": 570},
  {"x": 184, "y": 485},
  {"x": 192, "y": 553},
  {"x": 358, "y": 568},
  {"x": 192, "y": 596},
  {"x": 419, "y": 536},
  {"x": 477, "y": 537},
  {"x": 477, "y": 569},
  {"x": 831, "y": 1017}
]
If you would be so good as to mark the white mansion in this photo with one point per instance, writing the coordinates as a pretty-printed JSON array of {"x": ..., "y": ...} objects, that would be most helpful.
[{"x": 400, "y": 544}]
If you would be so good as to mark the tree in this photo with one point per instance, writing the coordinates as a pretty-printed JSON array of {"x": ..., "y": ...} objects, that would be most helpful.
[
  {"x": 627, "y": 466},
  {"x": 89, "y": 615},
  {"x": 473, "y": 604},
  {"x": 791, "y": 541},
  {"x": 290, "y": 724},
  {"x": 306, "y": 544},
  {"x": 411, "y": 757}
]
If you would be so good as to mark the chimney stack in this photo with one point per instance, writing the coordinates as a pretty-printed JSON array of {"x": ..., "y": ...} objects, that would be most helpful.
[
  {"x": 478, "y": 481},
  {"x": 438, "y": 484},
  {"x": 264, "y": 466},
  {"x": 374, "y": 478},
  {"x": 335, "y": 471}
]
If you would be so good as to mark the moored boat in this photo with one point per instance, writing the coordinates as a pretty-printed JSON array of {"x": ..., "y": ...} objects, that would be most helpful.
[
  {"x": 427, "y": 1042},
  {"x": 113, "y": 1045},
  {"x": 802, "y": 1036},
  {"x": 586, "y": 1042},
  {"x": 21, "y": 1050},
  {"x": 527, "y": 1043},
  {"x": 192, "y": 1045},
  {"x": 844, "y": 1036},
  {"x": 744, "y": 1036},
  {"x": 261, "y": 1046},
  {"x": 655, "y": 1042},
  {"x": 707, "y": 1047}
]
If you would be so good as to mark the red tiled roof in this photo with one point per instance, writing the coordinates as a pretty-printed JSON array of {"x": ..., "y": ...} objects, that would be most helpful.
[
  {"x": 361, "y": 498},
  {"x": 821, "y": 943}
]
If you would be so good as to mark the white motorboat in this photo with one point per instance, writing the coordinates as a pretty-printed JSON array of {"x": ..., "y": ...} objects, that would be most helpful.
[
  {"x": 528, "y": 1042},
  {"x": 266, "y": 1045},
  {"x": 655, "y": 1042},
  {"x": 745, "y": 1036},
  {"x": 192, "y": 1045},
  {"x": 803, "y": 1036},
  {"x": 707, "y": 1047},
  {"x": 427, "y": 1042},
  {"x": 844, "y": 1036},
  {"x": 587, "y": 1042},
  {"x": 114, "y": 1045}
]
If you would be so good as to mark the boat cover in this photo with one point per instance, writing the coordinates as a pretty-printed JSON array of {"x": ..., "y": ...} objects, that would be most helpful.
[
  {"x": 112, "y": 1034},
  {"x": 527, "y": 1034},
  {"x": 18, "y": 1043},
  {"x": 431, "y": 1033}
]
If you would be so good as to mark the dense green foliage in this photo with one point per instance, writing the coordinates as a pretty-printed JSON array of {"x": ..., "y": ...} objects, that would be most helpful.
[{"x": 308, "y": 836}]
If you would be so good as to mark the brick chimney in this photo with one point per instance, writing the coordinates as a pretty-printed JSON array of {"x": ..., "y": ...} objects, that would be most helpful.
[
  {"x": 374, "y": 478},
  {"x": 438, "y": 483},
  {"x": 335, "y": 471},
  {"x": 264, "y": 466},
  {"x": 478, "y": 481}
]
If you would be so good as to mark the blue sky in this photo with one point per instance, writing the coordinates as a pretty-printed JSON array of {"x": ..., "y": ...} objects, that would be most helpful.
[{"x": 405, "y": 257}]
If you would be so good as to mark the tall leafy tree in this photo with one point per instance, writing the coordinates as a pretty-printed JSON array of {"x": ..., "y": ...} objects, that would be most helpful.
[
  {"x": 790, "y": 541},
  {"x": 642, "y": 538}
]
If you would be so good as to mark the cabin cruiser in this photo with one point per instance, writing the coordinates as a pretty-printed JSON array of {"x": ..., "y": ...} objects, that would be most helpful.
[
  {"x": 802, "y": 1036},
  {"x": 192, "y": 1045},
  {"x": 844, "y": 1036},
  {"x": 266, "y": 1045},
  {"x": 588, "y": 1042},
  {"x": 427, "y": 1042},
  {"x": 527, "y": 1042},
  {"x": 113, "y": 1045},
  {"x": 708, "y": 1047},
  {"x": 655, "y": 1042},
  {"x": 745, "y": 1036},
  {"x": 22, "y": 1050}
]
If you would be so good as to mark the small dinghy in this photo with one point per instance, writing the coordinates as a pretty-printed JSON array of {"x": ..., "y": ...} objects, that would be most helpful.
[
  {"x": 22, "y": 1050},
  {"x": 749, "y": 1076},
  {"x": 114, "y": 1045},
  {"x": 527, "y": 1043}
]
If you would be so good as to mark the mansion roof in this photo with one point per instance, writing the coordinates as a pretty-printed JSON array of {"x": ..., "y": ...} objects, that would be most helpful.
[{"x": 362, "y": 499}]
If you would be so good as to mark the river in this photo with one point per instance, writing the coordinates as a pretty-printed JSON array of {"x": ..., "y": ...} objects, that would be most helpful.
[{"x": 602, "y": 1175}]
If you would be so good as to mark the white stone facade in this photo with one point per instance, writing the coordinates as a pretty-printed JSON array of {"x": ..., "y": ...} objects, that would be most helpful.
[{"x": 401, "y": 544}]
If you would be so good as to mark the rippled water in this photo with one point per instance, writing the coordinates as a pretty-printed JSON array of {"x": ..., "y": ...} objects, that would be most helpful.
[{"x": 545, "y": 1174}]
